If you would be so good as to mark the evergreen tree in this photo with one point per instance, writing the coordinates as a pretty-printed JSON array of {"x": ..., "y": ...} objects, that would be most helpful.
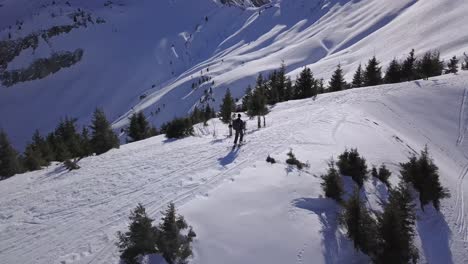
[
  {"x": 66, "y": 140},
  {"x": 178, "y": 128},
  {"x": 337, "y": 82},
  {"x": 60, "y": 149},
  {"x": 281, "y": 84},
  {"x": 141, "y": 238},
  {"x": 452, "y": 65},
  {"x": 33, "y": 159},
  {"x": 9, "y": 159},
  {"x": 288, "y": 90},
  {"x": 103, "y": 137},
  {"x": 332, "y": 184},
  {"x": 430, "y": 65},
  {"x": 352, "y": 164},
  {"x": 393, "y": 73},
  {"x": 465, "y": 63},
  {"x": 423, "y": 174},
  {"x": 247, "y": 98},
  {"x": 359, "y": 224},
  {"x": 292, "y": 160},
  {"x": 396, "y": 229},
  {"x": 358, "y": 79},
  {"x": 227, "y": 107},
  {"x": 272, "y": 89},
  {"x": 139, "y": 128},
  {"x": 305, "y": 85},
  {"x": 373, "y": 73},
  {"x": 86, "y": 147},
  {"x": 175, "y": 247},
  {"x": 320, "y": 86},
  {"x": 408, "y": 71},
  {"x": 383, "y": 174},
  {"x": 45, "y": 149},
  {"x": 257, "y": 104},
  {"x": 196, "y": 116}
]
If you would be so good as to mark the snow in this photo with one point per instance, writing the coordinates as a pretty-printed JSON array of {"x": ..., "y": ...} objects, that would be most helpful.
[
  {"x": 243, "y": 209},
  {"x": 159, "y": 48}
]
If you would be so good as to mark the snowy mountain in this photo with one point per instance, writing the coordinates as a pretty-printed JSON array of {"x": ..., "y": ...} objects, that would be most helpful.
[
  {"x": 127, "y": 56},
  {"x": 258, "y": 212}
]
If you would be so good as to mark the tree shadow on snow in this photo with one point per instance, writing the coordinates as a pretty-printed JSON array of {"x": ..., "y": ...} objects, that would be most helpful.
[
  {"x": 435, "y": 235},
  {"x": 336, "y": 247},
  {"x": 229, "y": 158}
]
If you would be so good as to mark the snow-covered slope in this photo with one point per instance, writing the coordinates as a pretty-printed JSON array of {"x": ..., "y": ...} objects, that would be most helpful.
[
  {"x": 158, "y": 49},
  {"x": 258, "y": 212}
]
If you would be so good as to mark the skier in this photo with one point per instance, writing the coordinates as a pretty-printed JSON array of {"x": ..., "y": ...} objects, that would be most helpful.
[{"x": 238, "y": 126}]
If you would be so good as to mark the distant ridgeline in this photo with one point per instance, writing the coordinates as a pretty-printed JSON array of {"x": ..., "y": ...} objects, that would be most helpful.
[
  {"x": 245, "y": 3},
  {"x": 41, "y": 68}
]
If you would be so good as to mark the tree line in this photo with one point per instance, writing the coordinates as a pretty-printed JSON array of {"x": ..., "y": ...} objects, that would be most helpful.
[
  {"x": 65, "y": 143},
  {"x": 277, "y": 87},
  {"x": 387, "y": 236},
  {"x": 68, "y": 144}
]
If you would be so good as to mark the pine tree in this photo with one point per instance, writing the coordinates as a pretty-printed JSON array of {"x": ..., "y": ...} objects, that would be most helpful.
[
  {"x": 305, "y": 86},
  {"x": 175, "y": 247},
  {"x": 68, "y": 140},
  {"x": 373, "y": 73},
  {"x": 337, "y": 82},
  {"x": 332, "y": 184},
  {"x": 272, "y": 88},
  {"x": 359, "y": 224},
  {"x": 423, "y": 174},
  {"x": 430, "y": 65},
  {"x": 281, "y": 84},
  {"x": 393, "y": 73},
  {"x": 352, "y": 164},
  {"x": 139, "y": 128},
  {"x": 408, "y": 71},
  {"x": 452, "y": 65},
  {"x": 9, "y": 159},
  {"x": 288, "y": 90},
  {"x": 383, "y": 174},
  {"x": 196, "y": 115},
  {"x": 178, "y": 128},
  {"x": 246, "y": 99},
  {"x": 257, "y": 104},
  {"x": 38, "y": 153},
  {"x": 44, "y": 147},
  {"x": 396, "y": 229},
  {"x": 465, "y": 63},
  {"x": 320, "y": 86},
  {"x": 103, "y": 137},
  {"x": 33, "y": 159},
  {"x": 59, "y": 148},
  {"x": 292, "y": 160},
  {"x": 86, "y": 146},
  {"x": 141, "y": 238},
  {"x": 358, "y": 79},
  {"x": 227, "y": 107}
]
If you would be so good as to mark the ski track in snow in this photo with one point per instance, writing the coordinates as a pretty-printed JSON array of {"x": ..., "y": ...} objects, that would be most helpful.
[
  {"x": 460, "y": 200},
  {"x": 54, "y": 216},
  {"x": 460, "y": 205},
  {"x": 462, "y": 122}
]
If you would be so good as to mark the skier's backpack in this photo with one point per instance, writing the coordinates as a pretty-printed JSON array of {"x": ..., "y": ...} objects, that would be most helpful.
[{"x": 237, "y": 124}]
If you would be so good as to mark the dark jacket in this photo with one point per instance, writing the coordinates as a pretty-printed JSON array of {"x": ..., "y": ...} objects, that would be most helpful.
[{"x": 238, "y": 124}]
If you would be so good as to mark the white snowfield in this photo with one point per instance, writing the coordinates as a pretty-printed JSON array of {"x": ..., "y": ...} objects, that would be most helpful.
[
  {"x": 160, "y": 48},
  {"x": 243, "y": 209}
]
